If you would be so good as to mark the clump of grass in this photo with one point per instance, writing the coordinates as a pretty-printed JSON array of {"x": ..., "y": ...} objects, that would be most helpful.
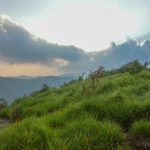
[
  {"x": 106, "y": 86},
  {"x": 37, "y": 106},
  {"x": 87, "y": 133},
  {"x": 140, "y": 129},
  {"x": 124, "y": 80},
  {"x": 55, "y": 121},
  {"x": 121, "y": 111},
  {"x": 19, "y": 137},
  {"x": 30, "y": 134},
  {"x": 139, "y": 135},
  {"x": 145, "y": 74}
]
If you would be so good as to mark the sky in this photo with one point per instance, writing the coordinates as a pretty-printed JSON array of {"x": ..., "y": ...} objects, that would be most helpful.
[{"x": 52, "y": 37}]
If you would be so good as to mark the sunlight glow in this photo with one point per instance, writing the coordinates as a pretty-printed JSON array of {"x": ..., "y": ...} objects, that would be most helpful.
[
  {"x": 91, "y": 26},
  {"x": 28, "y": 69}
]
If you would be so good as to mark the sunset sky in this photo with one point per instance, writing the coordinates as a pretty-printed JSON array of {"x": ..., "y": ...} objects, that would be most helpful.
[{"x": 53, "y": 37}]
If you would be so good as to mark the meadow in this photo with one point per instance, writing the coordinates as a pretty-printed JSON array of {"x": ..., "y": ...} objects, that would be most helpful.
[{"x": 106, "y": 112}]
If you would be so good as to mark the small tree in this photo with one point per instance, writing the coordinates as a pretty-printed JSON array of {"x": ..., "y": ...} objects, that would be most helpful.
[
  {"x": 44, "y": 88},
  {"x": 95, "y": 75},
  {"x": 134, "y": 67},
  {"x": 80, "y": 78},
  {"x": 146, "y": 64}
]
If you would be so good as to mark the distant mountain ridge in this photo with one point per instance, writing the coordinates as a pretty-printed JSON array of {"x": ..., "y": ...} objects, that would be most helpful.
[
  {"x": 23, "y": 77},
  {"x": 13, "y": 87}
]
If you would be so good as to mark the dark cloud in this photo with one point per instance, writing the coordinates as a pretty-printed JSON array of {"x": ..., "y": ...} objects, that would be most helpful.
[
  {"x": 120, "y": 54},
  {"x": 114, "y": 56},
  {"x": 17, "y": 45}
]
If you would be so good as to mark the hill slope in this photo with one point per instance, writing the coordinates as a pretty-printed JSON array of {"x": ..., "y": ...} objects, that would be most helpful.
[{"x": 112, "y": 116}]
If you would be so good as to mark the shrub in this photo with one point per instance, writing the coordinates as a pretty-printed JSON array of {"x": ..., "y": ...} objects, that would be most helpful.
[
  {"x": 5, "y": 112},
  {"x": 95, "y": 75},
  {"x": 145, "y": 74},
  {"x": 44, "y": 88},
  {"x": 16, "y": 113},
  {"x": 133, "y": 67}
]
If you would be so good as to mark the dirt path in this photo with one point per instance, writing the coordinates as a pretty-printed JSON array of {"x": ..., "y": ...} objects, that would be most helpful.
[{"x": 142, "y": 143}]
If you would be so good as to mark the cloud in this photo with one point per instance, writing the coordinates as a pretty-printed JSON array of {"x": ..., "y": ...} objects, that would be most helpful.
[
  {"x": 18, "y": 46},
  {"x": 114, "y": 56},
  {"x": 117, "y": 55}
]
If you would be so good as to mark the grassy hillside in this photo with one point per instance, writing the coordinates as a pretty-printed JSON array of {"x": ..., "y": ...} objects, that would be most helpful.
[{"x": 111, "y": 115}]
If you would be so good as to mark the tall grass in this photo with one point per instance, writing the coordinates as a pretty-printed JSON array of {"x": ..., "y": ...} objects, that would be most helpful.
[
  {"x": 140, "y": 129},
  {"x": 76, "y": 116},
  {"x": 87, "y": 133}
]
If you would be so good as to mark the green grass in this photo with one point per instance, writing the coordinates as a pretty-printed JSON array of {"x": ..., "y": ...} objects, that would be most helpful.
[
  {"x": 83, "y": 133},
  {"x": 76, "y": 117},
  {"x": 5, "y": 112},
  {"x": 87, "y": 134},
  {"x": 139, "y": 134},
  {"x": 29, "y": 134},
  {"x": 140, "y": 129}
]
